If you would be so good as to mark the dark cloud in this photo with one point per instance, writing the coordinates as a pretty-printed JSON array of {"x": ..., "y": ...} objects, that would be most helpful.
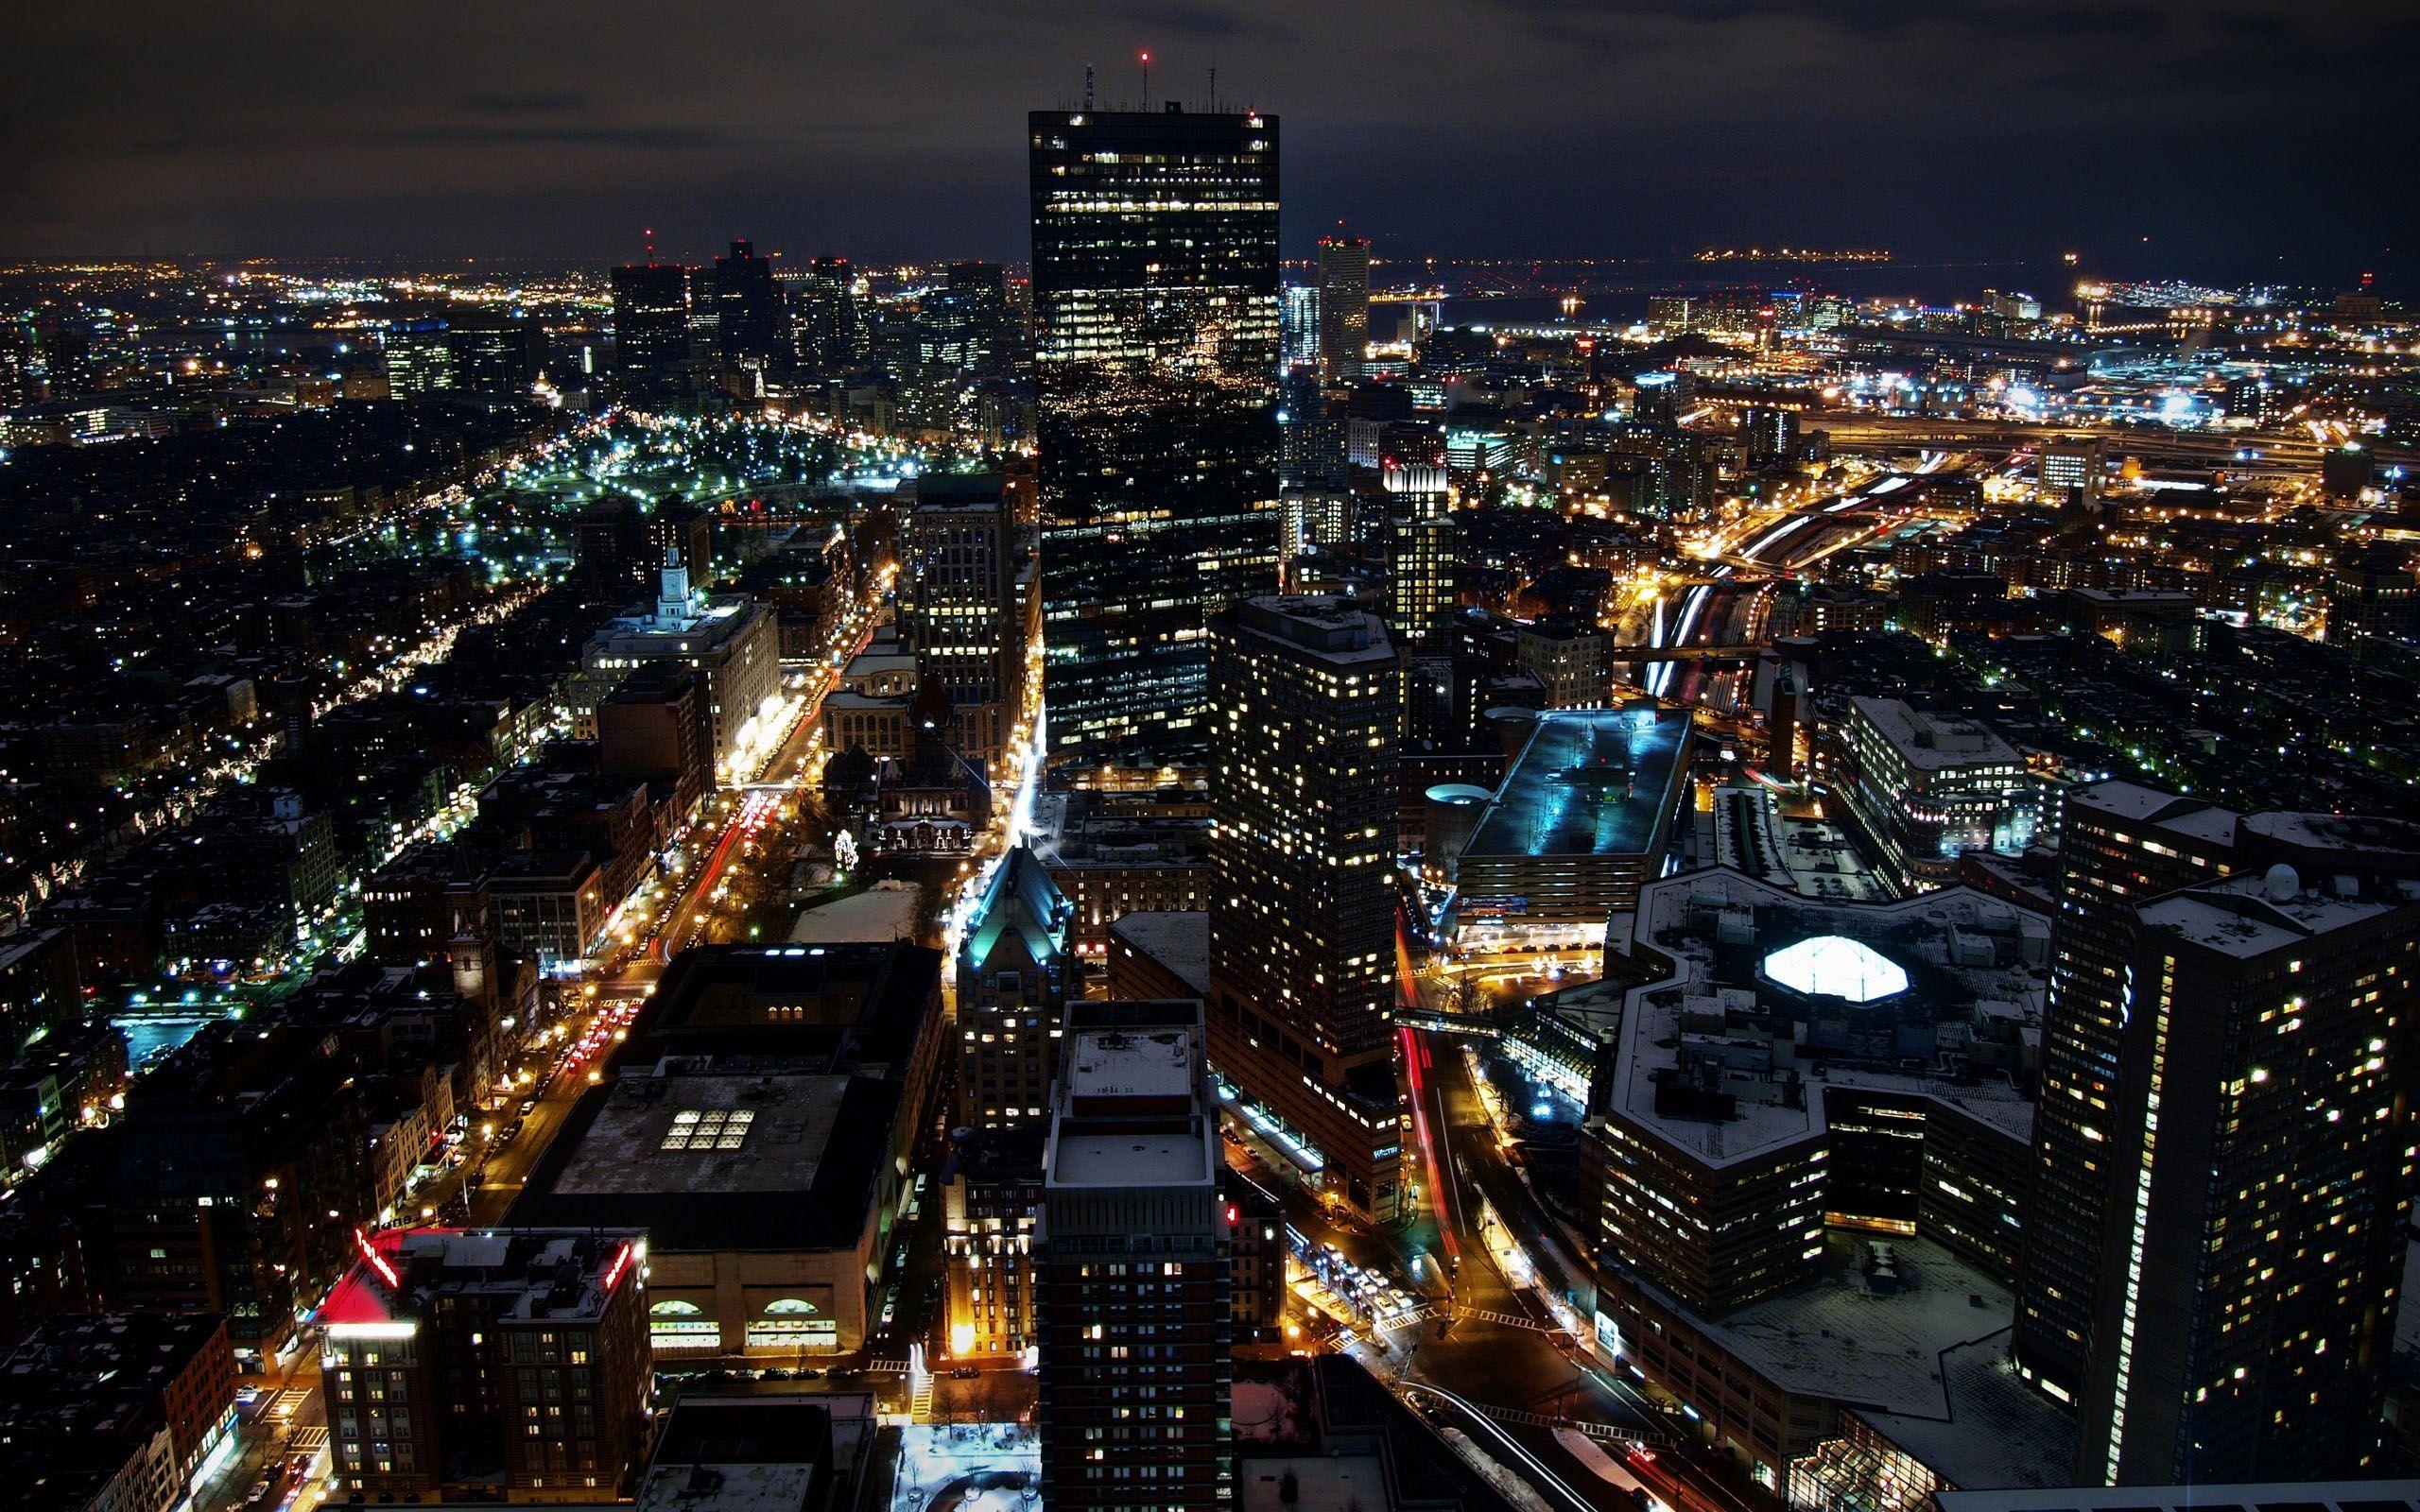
[
  {"x": 655, "y": 140},
  {"x": 2233, "y": 132},
  {"x": 529, "y": 102}
]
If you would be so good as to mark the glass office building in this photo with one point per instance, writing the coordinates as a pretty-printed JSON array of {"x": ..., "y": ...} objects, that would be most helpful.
[{"x": 1155, "y": 309}]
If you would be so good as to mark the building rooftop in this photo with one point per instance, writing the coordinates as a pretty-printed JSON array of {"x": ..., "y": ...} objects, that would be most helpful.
[
  {"x": 1322, "y": 1483},
  {"x": 80, "y": 1398},
  {"x": 1128, "y": 1063},
  {"x": 707, "y": 1134},
  {"x": 526, "y": 1274},
  {"x": 1177, "y": 940},
  {"x": 627, "y": 1156},
  {"x": 1974, "y": 979},
  {"x": 749, "y": 1455},
  {"x": 1931, "y": 742},
  {"x": 2188, "y": 815},
  {"x": 1993, "y": 1429},
  {"x": 1131, "y": 1106},
  {"x": 1589, "y": 783},
  {"x": 845, "y": 1006},
  {"x": 2247, "y": 916},
  {"x": 1844, "y": 1338},
  {"x": 1020, "y": 898},
  {"x": 1332, "y": 629},
  {"x": 2268, "y": 1496}
]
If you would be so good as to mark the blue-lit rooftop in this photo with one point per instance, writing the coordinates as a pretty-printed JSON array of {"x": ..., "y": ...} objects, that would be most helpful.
[{"x": 1590, "y": 783}]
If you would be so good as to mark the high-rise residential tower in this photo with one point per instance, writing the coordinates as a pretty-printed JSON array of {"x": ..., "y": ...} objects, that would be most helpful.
[
  {"x": 2120, "y": 846},
  {"x": 1156, "y": 312},
  {"x": 1344, "y": 307},
  {"x": 1421, "y": 549},
  {"x": 1307, "y": 694},
  {"x": 2261, "y": 1199},
  {"x": 1134, "y": 1269},
  {"x": 2220, "y": 1120}
]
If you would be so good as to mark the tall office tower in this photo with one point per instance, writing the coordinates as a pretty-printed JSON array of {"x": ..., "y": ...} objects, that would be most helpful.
[
  {"x": 1420, "y": 560},
  {"x": 959, "y": 606},
  {"x": 1678, "y": 480},
  {"x": 824, "y": 320},
  {"x": 1344, "y": 307},
  {"x": 1312, "y": 450},
  {"x": 1014, "y": 977},
  {"x": 420, "y": 359},
  {"x": 748, "y": 306},
  {"x": 650, "y": 320},
  {"x": 1155, "y": 355},
  {"x": 2067, "y": 474},
  {"x": 705, "y": 314},
  {"x": 2262, "y": 1137},
  {"x": 965, "y": 323},
  {"x": 496, "y": 355},
  {"x": 1299, "y": 327},
  {"x": 1306, "y": 698},
  {"x": 2120, "y": 846},
  {"x": 1136, "y": 1277}
]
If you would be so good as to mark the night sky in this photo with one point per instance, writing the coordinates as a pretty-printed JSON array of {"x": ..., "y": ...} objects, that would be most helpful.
[{"x": 2243, "y": 137}]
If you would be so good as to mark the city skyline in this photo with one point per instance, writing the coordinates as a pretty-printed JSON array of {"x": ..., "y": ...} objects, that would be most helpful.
[
  {"x": 1758, "y": 124},
  {"x": 1143, "y": 874}
]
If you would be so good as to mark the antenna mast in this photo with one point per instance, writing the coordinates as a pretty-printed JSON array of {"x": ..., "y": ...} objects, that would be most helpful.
[{"x": 1088, "y": 86}]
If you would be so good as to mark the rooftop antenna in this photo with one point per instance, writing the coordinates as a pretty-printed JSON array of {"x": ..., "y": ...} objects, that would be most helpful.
[
  {"x": 1214, "y": 87},
  {"x": 1147, "y": 81},
  {"x": 650, "y": 244},
  {"x": 1088, "y": 86}
]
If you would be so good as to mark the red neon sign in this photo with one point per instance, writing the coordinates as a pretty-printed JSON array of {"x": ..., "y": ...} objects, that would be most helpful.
[{"x": 376, "y": 1260}]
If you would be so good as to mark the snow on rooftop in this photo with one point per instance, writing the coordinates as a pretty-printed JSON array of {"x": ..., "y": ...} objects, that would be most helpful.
[
  {"x": 1179, "y": 940},
  {"x": 1651, "y": 1014},
  {"x": 1130, "y": 1063},
  {"x": 1842, "y": 1338},
  {"x": 767, "y": 1133},
  {"x": 885, "y": 911}
]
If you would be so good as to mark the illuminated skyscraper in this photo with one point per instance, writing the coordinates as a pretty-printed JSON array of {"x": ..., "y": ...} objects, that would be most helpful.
[
  {"x": 1344, "y": 307},
  {"x": 2120, "y": 845},
  {"x": 1135, "y": 1269},
  {"x": 650, "y": 320},
  {"x": 1155, "y": 306},
  {"x": 1422, "y": 540},
  {"x": 957, "y": 605},
  {"x": 2262, "y": 1194},
  {"x": 824, "y": 315},
  {"x": 2214, "y": 1227},
  {"x": 1301, "y": 325},
  {"x": 1307, "y": 708},
  {"x": 420, "y": 359},
  {"x": 748, "y": 306}
]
